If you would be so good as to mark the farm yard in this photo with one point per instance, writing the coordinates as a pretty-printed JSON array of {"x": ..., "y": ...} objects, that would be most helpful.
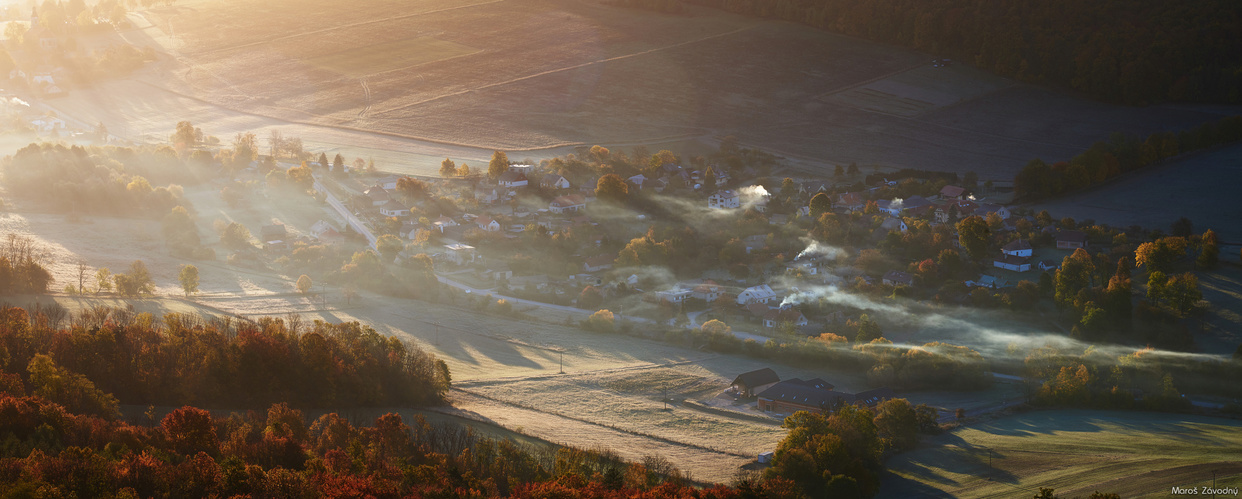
[
  {"x": 1133, "y": 454},
  {"x": 434, "y": 80}
]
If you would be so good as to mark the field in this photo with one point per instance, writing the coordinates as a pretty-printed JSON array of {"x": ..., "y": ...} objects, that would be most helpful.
[
  {"x": 1133, "y": 454},
  {"x": 413, "y": 82}
]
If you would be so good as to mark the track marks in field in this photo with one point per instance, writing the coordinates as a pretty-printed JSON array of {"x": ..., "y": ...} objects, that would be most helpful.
[
  {"x": 366, "y": 92},
  {"x": 343, "y": 26},
  {"x": 568, "y": 68}
]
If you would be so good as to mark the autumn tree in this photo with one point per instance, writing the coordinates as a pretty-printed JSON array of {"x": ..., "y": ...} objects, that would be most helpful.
[
  {"x": 498, "y": 165},
  {"x": 304, "y": 284},
  {"x": 1182, "y": 292},
  {"x": 1209, "y": 255},
  {"x": 974, "y": 235},
  {"x": 1074, "y": 275},
  {"x": 190, "y": 430},
  {"x": 137, "y": 281},
  {"x": 820, "y": 203},
  {"x": 389, "y": 247},
  {"x": 612, "y": 188},
  {"x": 1160, "y": 254},
  {"x": 72, "y": 390},
  {"x": 448, "y": 168}
]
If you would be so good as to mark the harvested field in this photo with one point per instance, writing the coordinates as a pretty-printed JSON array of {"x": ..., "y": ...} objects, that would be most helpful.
[
  {"x": 363, "y": 61},
  {"x": 560, "y": 73},
  {"x": 1133, "y": 454}
]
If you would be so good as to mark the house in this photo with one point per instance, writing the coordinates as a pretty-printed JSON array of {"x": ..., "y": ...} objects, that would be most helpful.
[
  {"x": 708, "y": 291},
  {"x": 758, "y": 310},
  {"x": 377, "y": 195},
  {"x": 872, "y": 398},
  {"x": 571, "y": 203},
  {"x": 723, "y": 200},
  {"x": 1048, "y": 265},
  {"x": 987, "y": 281},
  {"x": 897, "y": 278},
  {"x": 1021, "y": 247},
  {"x": 816, "y": 383},
  {"x": 1014, "y": 263},
  {"x": 722, "y": 177},
  {"x": 757, "y": 294},
  {"x": 444, "y": 222},
  {"x": 637, "y": 181},
  {"x": 814, "y": 187},
  {"x": 512, "y": 179},
  {"x": 486, "y": 195},
  {"x": 787, "y": 398},
  {"x": 675, "y": 295},
  {"x": 963, "y": 209},
  {"x": 986, "y": 209},
  {"x": 460, "y": 254},
  {"x": 783, "y": 315},
  {"x": 319, "y": 228},
  {"x": 487, "y": 224},
  {"x": 46, "y": 39},
  {"x": 952, "y": 192},
  {"x": 598, "y": 263},
  {"x": 388, "y": 183},
  {"x": 750, "y": 383},
  {"x": 850, "y": 201},
  {"x": 331, "y": 237},
  {"x": 553, "y": 181},
  {"x": 803, "y": 267},
  {"x": 394, "y": 209},
  {"x": 1071, "y": 239},
  {"x": 895, "y": 207},
  {"x": 892, "y": 224}
]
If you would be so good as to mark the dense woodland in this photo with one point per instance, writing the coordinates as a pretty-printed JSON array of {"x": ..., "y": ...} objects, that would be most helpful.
[{"x": 1134, "y": 52}]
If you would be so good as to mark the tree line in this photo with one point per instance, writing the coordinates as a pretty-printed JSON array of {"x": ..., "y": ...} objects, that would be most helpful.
[
  {"x": 1132, "y": 52},
  {"x": 1119, "y": 154},
  {"x": 220, "y": 362}
]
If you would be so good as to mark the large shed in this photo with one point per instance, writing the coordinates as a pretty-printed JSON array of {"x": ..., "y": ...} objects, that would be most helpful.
[{"x": 750, "y": 383}]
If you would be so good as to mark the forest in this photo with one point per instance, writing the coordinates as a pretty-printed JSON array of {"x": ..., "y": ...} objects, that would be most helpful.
[{"x": 1136, "y": 52}]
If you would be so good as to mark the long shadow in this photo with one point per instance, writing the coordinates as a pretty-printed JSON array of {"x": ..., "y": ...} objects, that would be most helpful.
[{"x": 897, "y": 487}]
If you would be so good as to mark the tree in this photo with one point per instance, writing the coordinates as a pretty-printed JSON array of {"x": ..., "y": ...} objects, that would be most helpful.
[
  {"x": 338, "y": 163},
  {"x": 611, "y": 188},
  {"x": 820, "y": 203},
  {"x": 72, "y": 390},
  {"x": 448, "y": 168},
  {"x": 103, "y": 280},
  {"x": 323, "y": 161},
  {"x": 389, "y": 247},
  {"x": 1209, "y": 256},
  {"x": 189, "y": 279},
  {"x": 1155, "y": 286},
  {"x": 300, "y": 176},
  {"x": 868, "y": 330},
  {"x": 838, "y": 171},
  {"x": 304, "y": 284},
  {"x": 463, "y": 170},
  {"x": 135, "y": 282},
  {"x": 897, "y": 423},
  {"x": 1182, "y": 292},
  {"x": 1183, "y": 227},
  {"x": 1074, "y": 275},
  {"x": 973, "y": 234},
  {"x": 190, "y": 430},
  {"x": 1160, "y": 254},
  {"x": 235, "y": 236},
  {"x": 498, "y": 165},
  {"x": 186, "y": 136},
  {"x": 245, "y": 149}
]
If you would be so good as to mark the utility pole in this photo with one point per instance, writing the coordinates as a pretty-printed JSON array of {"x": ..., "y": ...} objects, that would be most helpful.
[
  {"x": 562, "y": 352},
  {"x": 666, "y": 397}
]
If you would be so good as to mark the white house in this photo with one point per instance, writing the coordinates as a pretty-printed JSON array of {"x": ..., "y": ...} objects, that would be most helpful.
[
  {"x": 460, "y": 254},
  {"x": 554, "y": 181},
  {"x": 1021, "y": 247},
  {"x": 782, "y": 315},
  {"x": 598, "y": 263},
  {"x": 637, "y": 181},
  {"x": 388, "y": 183},
  {"x": 757, "y": 294},
  {"x": 394, "y": 209},
  {"x": 891, "y": 224},
  {"x": 444, "y": 222},
  {"x": 986, "y": 209},
  {"x": 377, "y": 195},
  {"x": 708, "y": 291},
  {"x": 569, "y": 203},
  {"x": 318, "y": 228},
  {"x": 724, "y": 200},
  {"x": 486, "y": 195},
  {"x": 1014, "y": 263},
  {"x": 512, "y": 179},
  {"x": 676, "y": 295},
  {"x": 487, "y": 224}
]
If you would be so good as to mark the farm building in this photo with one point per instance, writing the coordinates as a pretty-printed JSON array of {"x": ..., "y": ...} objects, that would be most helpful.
[
  {"x": 394, "y": 209},
  {"x": 757, "y": 294},
  {"x": 377, "y": 195},
  {"x": 388, "y": 183},
  {"x": 749, "y": 383},
  {"x": 708, "y": 291},
  {"x": 675, "y": 295},
  {"x": 815, "y": 395},
  {"x": 1071, "y": 239},
  {"x": 460, "y": 254},
  {"x": 598, "y": 263}
]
